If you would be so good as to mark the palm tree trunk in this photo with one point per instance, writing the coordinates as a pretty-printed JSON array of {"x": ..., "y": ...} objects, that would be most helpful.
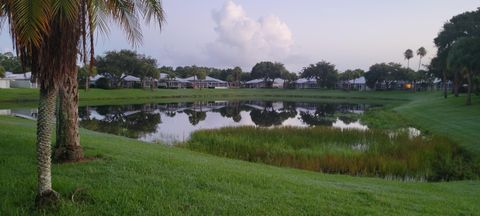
[
  {"x": 420, "y": 63},
  {"x": 87, "y": 82},
  {"x": 68, "y": 146},
  {"x": 456, "y": 85},
  {"x": 445, "y": 85},
  {"x": 46, "y": 109},
  {"x": 468, "y": 101}
]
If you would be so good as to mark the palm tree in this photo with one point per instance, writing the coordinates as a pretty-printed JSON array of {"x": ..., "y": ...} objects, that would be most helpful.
[
  {"x": 408, "y": 55},
  {"x": 40, "y": 28},
  {"x": 94, "y": 14},
  {"x": 422, "y": 52}
]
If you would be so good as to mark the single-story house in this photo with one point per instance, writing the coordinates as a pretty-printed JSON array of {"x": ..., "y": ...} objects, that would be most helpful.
[
  {"x": 23, "y": 80},
  {"x": 208, "y": 82},
  {"x": 260, "y": 83},
  {"x": 354, "y": 84},
  {"x": 167, "y": 81},
  {"x": 304, "y": 83},
  {"x": 131, "y": 82}
]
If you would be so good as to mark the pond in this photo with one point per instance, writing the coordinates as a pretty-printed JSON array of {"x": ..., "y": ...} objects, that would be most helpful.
[{"x": 174, "y": 122}]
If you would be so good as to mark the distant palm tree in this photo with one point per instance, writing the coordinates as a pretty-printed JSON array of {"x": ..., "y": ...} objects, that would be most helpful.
[
  {"x": 422, "y": 52},
  {"x": 408, "y": 55}
]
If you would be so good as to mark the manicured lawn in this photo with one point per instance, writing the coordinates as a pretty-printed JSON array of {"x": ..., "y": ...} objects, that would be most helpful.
[
  {"x": 132, "y": 177},
  {"x": 135, "y": 178}
]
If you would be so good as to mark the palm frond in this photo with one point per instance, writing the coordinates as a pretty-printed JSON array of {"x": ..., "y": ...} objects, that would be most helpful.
[{"x": 30, "y": 20}]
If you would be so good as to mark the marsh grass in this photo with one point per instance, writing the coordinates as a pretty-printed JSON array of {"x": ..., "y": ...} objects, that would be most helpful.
[{"x": 375, "y": 152}]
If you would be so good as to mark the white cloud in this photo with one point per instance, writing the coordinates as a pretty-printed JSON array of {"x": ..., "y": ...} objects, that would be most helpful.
[{"x": 244, "y": 41}]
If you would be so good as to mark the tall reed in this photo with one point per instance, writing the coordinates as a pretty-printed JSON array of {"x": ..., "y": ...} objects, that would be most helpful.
[{"x": 373, "y": 152}]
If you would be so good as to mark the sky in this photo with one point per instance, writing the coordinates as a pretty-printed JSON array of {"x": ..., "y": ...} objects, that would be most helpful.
[{"x": 348, "y": 33}]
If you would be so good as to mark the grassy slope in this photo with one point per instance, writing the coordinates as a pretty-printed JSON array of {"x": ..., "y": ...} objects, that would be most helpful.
[
  {"x": 448, "y": 117},
  {"x": 135, "y": 178}
]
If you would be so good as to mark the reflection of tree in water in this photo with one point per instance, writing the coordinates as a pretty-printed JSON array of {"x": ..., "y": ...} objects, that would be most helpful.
[
  {"x": 268, "y": 116},
  {"x": 122, "y": 120},
  {"x": 232, "y": 110},
  {"x": 327, "y": 114},
  {"x": 324, "y": 115},
  {"x": 195, "y": 117}
]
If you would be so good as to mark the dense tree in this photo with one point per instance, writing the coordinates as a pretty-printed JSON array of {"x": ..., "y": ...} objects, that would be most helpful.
[
  {"x": 10, "y": 62},
  {"x": 324, "y": 72},
  {"x": 408, "y": 54},
  {"x": 464, "y": 56},
  {"x": 459, "y": 26},
  {"x": 421, "y": 52},
  {"x": 115, "y": 66},
  {"x": 387, "y": 74},
  {"x": 268, "y": 71}
]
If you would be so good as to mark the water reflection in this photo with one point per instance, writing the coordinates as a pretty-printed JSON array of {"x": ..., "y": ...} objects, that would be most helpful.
[{"x": 172, "y": 122}]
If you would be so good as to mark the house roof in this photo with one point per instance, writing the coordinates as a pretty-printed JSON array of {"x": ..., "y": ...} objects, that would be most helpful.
[
  {"x": 130, "y": 78},
  {"x": 23, "y": 76},
  {"x": 256, "y": 81},
  {"x": 207, "y": 78},
  {"x": 360, "y": 80},
  {"x": 304, "y": 80}
]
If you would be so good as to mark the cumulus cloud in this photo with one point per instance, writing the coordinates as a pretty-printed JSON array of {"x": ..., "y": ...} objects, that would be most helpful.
[{"x": 243, "y": 41}]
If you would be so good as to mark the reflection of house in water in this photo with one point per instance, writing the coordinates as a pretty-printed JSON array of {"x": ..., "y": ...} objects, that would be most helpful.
[{"x": 24, "y": 113}]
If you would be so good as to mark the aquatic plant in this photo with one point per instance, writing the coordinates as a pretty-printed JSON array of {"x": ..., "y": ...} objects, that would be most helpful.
[{"x": 375, "y": 152}]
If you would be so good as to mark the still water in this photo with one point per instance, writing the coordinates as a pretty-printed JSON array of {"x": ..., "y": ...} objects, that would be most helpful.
[{"x": 174, "y": 122}]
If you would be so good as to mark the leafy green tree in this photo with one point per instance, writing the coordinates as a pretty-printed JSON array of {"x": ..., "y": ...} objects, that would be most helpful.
[
  {"x": 464, "y": 56},
  {"x": 268, "y": 71},
  {"x": 11, "y": 63},
  {"x": 324, "y": 72},
  {"x": 421, "y": 52},
  {"x": 408, "y": 54},
  {"x": 459, "y": 26},
  {"x": 115, "y": 66},
  {"x": 387, "y": 74},
  {"x": 84, "y": 73}
]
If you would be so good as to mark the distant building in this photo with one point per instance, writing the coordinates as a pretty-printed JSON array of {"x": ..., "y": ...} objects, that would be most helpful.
[
  {"x": 260, "y": 83},
  {"x": 208, "y": 82},
  {"x": 358, "y": 84},
  {"x": 166, "y": 81},
  {"x": 23, "y": 80},
  {"x": 4, "y": 83},
  {"x": 131, "y": 82},
  {"x": 304, "y": 83}
]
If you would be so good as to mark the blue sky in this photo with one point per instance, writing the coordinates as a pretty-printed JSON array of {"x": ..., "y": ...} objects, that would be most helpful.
[{"x": 349, "y": 33}]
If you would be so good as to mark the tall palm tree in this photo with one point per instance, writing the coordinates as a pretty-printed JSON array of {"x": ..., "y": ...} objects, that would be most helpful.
[
  {"x": 94, "y": 14},
  {"x": 40, "y": 29},
  {"x": 421, "y": 52},
  {"x": 408, "y": 55}
]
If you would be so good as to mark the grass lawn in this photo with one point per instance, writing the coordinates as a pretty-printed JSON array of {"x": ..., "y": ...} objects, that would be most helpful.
[{"x": 135, "y": 178}]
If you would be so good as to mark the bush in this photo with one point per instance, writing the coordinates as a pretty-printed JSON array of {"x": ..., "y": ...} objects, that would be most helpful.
[{"x": 103, "y": 83}]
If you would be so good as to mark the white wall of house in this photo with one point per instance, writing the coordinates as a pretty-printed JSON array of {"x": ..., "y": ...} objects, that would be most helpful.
[
  {"x": 22, "y": 84},
  {"x": 4, "y": 83}
]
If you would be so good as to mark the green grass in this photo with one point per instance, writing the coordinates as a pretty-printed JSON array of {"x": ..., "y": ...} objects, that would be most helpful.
[
  {"x": 375, "y": 152},
  {"x": 135, "y": 178}
]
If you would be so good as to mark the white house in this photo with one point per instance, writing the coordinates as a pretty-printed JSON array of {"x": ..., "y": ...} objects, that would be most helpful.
[
  {"x": 23, "y": 80},
  {"x": 208, "y": 82},
  {"x": 304, "y": 83},
  {"x": 354, "y": 84},
  {"x": 260, "y": 83}
]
